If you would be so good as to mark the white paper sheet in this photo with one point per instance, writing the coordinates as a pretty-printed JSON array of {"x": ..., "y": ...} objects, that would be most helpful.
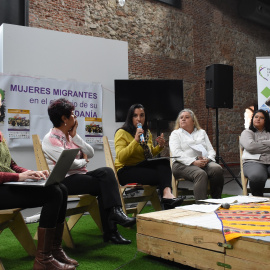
[
  {"x": 236, "y": 200},
  {"x": 199, "y": 149},
  {"x": 205, "y": 208},
  {"x": 247, "y": 155}
]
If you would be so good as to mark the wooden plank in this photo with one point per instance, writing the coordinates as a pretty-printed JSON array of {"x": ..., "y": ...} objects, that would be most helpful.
[
  {"x": 240, "y": 264},
  {"x": 207, "y": 239},
  {"x": 173, "y": 216},
  {"x": 1, "y": 266},
  {"x": 167, "y": 215},
  {"x": 21, "y": 231},
  {"x": 9, "y": 211},
  {"x": 187, "y": 255},
  {"x": 250, "y": 249}
]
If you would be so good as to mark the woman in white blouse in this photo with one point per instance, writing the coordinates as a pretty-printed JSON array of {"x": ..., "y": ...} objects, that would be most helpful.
[{"x": 195, "y": 157}]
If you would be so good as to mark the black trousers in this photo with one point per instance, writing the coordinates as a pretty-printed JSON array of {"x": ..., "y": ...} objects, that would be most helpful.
[
  {"x": 52, "y": 199},
  {"x": 155, "y": 172},
  {"x": 101, "y": 183}
]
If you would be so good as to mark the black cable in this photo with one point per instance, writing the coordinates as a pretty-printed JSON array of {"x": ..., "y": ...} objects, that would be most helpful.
[
  {"x": 127, "y": 262},
  {"x": 207, "y": 120}
]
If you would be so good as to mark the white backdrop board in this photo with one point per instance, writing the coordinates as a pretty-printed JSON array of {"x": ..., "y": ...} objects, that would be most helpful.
[{"x": 50, "y": 54}]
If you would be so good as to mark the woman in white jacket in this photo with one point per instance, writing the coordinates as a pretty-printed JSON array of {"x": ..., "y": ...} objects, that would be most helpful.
[{"x": 195, "y": 156}]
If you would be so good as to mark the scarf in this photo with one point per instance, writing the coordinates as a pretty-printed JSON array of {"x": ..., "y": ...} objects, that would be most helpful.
[{"x": 146, "y": 149}]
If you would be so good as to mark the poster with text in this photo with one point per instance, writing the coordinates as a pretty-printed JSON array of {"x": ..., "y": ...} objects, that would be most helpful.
[
  {"x": 93, "y": 130},
  {"x": 263, "y": 82},
  {"x": 18, "y": 123},
  {"x": 34, "y": 95}
]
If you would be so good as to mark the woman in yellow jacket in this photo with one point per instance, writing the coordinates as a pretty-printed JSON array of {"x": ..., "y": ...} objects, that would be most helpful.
[{"x": 134, "y": 145}]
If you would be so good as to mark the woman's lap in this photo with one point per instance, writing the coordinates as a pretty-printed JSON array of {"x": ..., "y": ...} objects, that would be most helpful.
[
  {"x": 255, "y": 171},
  {"x": 24, "y": 197},
  {"x": 157, "y": 172}
]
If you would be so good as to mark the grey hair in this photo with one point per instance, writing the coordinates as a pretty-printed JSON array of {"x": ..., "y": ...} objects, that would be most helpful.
[{"x": 193, "y": 116}]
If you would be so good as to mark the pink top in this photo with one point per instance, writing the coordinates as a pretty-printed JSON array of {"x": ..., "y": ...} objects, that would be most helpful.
[{"x": 55, "y": 142}]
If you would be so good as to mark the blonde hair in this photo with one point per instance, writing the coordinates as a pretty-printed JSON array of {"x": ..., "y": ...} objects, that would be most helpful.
[{"x": 193, "y": 116}]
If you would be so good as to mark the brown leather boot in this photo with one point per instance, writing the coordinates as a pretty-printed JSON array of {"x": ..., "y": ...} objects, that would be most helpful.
[
  {"x": 57, "y": 250},
  {"x": 44, "y": 259}
]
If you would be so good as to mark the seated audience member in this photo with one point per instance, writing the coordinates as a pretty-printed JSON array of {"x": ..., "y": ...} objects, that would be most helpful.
[
  {"x": 100, "y": 182},
  {"x": 52, "y": 199},
  {"x": 132, "y": 153},
  {"x": 256, "y": 154},
  {"x": 195, "y": 157}
]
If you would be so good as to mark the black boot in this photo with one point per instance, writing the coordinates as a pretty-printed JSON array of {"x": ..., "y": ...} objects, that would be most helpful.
[
  {"x": 172, "y": 203},
  {"x": 117, "y": 216},
  {"x": 116, "y": 238}
]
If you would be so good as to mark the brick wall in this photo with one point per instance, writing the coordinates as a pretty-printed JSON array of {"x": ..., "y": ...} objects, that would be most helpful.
[{"x": 170, "y": 43}]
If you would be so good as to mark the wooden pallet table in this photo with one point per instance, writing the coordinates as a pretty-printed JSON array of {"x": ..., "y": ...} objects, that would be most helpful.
[{"x": 196, "y": 239}]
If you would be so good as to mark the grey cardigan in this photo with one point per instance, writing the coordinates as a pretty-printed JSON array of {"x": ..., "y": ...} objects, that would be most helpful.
[{"x": 256, "y": 143}]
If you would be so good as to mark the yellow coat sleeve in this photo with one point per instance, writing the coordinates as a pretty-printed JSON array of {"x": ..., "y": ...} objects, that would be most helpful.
[{"x": 128, "y": 150}]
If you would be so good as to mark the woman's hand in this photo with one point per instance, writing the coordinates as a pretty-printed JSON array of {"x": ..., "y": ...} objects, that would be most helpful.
[
  {"x": 160, "y": 140},
  {"x": 207, "y": 160},
  {"x": 73, "y": 131},
  {"x": 35, "y": 175},
  {"x": 201, "y": 163},
  {"x": 139, "y": 132},
  {"x": 85, "y": 157}
]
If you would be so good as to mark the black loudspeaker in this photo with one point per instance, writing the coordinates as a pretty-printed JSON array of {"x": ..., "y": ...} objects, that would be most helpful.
[
  {"x": 14, "y": 12},
  {"x": 219, "y": 86}
]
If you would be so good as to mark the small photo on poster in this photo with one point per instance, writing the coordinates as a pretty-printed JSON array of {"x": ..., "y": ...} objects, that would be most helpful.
[
  {"x": 2, "y": 107},
  {"x": 93, "y": 130},
  {"x": 18, "y": 123}
]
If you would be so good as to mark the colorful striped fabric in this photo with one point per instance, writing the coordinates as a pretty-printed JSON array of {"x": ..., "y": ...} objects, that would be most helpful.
[{"x": 245, "y": 220}]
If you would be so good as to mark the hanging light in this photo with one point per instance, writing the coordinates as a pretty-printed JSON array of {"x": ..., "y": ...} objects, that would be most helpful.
[{"x": 121, "y": 3}]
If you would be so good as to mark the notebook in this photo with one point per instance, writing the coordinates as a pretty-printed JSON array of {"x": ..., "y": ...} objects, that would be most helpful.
[{"x": 57, "y": 174}]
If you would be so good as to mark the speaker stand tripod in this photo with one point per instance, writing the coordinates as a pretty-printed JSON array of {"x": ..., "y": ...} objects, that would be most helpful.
[{"x": 219, "y": 158}]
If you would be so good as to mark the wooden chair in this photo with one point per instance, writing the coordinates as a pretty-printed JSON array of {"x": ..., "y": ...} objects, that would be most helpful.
[
  {"x": 1, "y": 266},
  {"x": 149, "y": 192},
  {"x": 87, "y": 203},
  {"x": 244, "y": 179},
  {"x": 13, "y": 219}
]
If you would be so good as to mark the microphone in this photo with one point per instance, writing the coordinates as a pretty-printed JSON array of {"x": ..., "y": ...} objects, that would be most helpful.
[
  {"x": 139, "y": 125},
  {"x": 225, "y": 205}
]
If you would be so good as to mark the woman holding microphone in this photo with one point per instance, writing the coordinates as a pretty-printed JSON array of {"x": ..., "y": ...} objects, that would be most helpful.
[{"x": 133, "y": 146}]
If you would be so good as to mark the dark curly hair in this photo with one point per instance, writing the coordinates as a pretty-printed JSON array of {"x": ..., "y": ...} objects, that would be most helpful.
[
  {"x": 266, "y": 121},
  {"x": 128, "y": 125},
  {"x": 57, "y": 109}
]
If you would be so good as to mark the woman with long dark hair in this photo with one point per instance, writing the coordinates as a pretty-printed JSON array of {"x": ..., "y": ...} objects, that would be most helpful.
[
  {"x": 256, "y": 155},
  {"x": 133, "y": 146}
]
